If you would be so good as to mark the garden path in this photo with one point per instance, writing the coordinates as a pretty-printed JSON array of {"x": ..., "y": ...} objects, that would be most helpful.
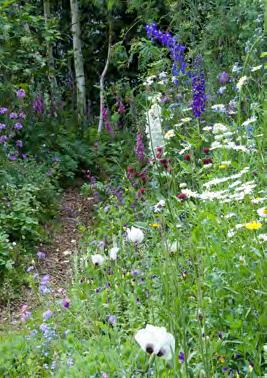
[{"x": 64, "y": 235}]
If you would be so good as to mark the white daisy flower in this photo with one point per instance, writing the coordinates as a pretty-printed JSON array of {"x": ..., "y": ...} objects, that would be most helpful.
[
  {"x": 169, "y": 134},
  {"x": 262, "y": 212},
  {"x": 258, "y": 200},
  {"x": 219, "y": 128},
  {"x": 157, "y": 341}
]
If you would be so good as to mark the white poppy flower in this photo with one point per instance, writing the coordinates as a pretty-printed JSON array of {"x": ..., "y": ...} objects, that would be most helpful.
[
  {"x": 98, "y": 259},
  {"x": 135, "y": 235},
  {"x": 156, "y": 340},
  {"x": 113, "y": 253},
  {"x": 262, "y": 212}
]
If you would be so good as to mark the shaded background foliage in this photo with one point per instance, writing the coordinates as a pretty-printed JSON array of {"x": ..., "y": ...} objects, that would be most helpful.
[
  {"x": 58, "y": 147},
  {"x": 23, "y": 59}
]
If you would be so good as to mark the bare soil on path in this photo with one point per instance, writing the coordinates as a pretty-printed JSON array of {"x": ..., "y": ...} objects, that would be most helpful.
[{"x": 64, "y": 235}]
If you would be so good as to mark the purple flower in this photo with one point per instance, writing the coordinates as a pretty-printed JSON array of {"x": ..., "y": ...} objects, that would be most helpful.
[
  {"x": 38, "y": 104},
  {"x": 176, "y": 50},
  {"x": 44, "y": 327},
  {"x": 2, "y": 126},
  {"x": 232, "y": 107},
  {"x": 20, "y": 93},
  {"x": 24, "y": 156},
  {"x": 45, "y": 279},
  {"x": 19, "y": 143},
  {"x": 3, "y": 138},
  {"x": 181, "y": 356},
  {"x": 25, "y": 315},
  {"x": 21, "y": 115},
  {"x": 66, "y": 302},
  {"x": 198, "y": 87},
  {"x": 223, "y": 77},
  {"x": 30, "y": 269},
  {"x": 112, "y": 320},
  {"x": 41, "y": 255},
  {"x": 121, "y": 107},
  {"x": 135, "y": 272},
  {"x": 139, "y": 147},
  {"x": 106, "y": 121},
  {"x": 18, "y": 126},
  {"x": 44, "y": 289},
  {"x": 13, "y": 115},
  {"x": 12, "y": 157},
  {"x": 47, "y": 315},
  {"x": 3, "y": 110}
]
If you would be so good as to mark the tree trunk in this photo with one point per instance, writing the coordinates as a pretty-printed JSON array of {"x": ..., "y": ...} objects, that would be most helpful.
[
  {"x": 101, "y": 84},
  {"x": 78, "y": 60}
]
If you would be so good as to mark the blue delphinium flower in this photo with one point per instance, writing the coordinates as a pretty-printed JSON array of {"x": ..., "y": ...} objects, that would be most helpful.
[
  {"x": 198, "y": 87},
  {"x": 176, "y": 49}
]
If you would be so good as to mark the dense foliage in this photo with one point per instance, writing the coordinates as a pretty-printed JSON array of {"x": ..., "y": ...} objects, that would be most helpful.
[{"x": 175, "y": 178}]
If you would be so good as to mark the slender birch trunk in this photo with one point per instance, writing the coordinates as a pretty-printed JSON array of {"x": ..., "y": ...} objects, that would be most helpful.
[
  {"x": 101, "y": 84},
  {"x": 78, "y": 59}
]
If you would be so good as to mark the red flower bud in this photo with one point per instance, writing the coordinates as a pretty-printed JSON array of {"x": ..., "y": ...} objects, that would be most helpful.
[
  {"x": 187, "y": 157},
  {"x": 181, "y": 196},
  {"x": 207, "y": 161}
]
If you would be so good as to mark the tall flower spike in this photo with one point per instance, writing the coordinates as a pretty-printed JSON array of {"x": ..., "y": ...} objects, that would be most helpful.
[
  {"x": 139, "y": 147},
  {"x": 106, "y": 121},
  {"x": 176, "y": 49},
  {"x": 198, "y": 87}
]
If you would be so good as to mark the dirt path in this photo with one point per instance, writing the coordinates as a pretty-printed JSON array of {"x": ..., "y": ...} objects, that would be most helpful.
[{"x": 64, "y": 235}]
